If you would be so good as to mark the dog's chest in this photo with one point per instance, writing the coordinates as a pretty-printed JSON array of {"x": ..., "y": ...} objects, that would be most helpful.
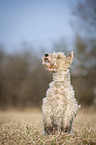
[
  {"x": 59, "y": 105},
  {"x": 57, "y": 95}
]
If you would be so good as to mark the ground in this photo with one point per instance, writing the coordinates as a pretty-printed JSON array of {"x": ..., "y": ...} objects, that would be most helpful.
[{"x": 26, "y": 127}]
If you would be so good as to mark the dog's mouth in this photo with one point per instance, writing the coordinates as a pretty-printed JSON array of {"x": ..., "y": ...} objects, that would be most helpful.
[{"x": 47, "y": 63}]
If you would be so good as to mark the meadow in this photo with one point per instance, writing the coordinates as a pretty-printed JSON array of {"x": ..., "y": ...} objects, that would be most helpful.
[{"x": 26, "y": 127}]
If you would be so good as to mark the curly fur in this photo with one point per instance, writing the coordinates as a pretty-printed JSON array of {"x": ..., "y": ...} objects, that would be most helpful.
[{"x": 59, "y": 105}]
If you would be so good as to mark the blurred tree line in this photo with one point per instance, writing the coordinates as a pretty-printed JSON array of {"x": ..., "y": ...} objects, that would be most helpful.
[{"x": 24, "y": 80}]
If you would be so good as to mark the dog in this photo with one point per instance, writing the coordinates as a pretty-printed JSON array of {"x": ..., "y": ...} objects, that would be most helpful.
[{"x": 59, "y": 106}]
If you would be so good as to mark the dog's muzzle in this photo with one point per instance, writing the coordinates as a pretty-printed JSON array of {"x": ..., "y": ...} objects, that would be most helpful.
[{"x": 46, "y": 57}]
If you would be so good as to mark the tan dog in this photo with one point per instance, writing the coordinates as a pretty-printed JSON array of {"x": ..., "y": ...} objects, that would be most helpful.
[{"x": 59, "y": 106}]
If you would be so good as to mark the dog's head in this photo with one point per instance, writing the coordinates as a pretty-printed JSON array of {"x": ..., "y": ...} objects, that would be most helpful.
[{"x": 57, "y": 61}]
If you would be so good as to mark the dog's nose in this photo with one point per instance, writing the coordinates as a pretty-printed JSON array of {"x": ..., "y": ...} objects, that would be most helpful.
[{"x": 46, "y": 55}]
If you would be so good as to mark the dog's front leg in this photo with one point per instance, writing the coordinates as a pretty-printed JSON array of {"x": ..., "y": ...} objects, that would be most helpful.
[{"x": 48, "y": 128}]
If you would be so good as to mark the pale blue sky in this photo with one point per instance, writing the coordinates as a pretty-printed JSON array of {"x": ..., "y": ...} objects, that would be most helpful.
[{"x": 38, "y": 22}]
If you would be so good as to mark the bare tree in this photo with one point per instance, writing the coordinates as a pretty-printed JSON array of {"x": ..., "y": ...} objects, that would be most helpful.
[{"x": 85, "y": 13}]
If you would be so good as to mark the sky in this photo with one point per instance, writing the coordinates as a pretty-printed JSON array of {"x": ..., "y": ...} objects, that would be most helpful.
[{"x": 39, "y": 23}]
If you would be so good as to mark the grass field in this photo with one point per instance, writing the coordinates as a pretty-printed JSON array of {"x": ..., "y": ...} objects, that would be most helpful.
[{"x": 26, "y": 127}]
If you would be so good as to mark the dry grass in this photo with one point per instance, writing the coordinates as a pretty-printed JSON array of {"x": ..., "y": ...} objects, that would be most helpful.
[{"x": 25, "y": 128}]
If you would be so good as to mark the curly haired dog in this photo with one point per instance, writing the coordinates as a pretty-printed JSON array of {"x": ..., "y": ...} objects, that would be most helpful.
[{"x": 59, "y": 106}]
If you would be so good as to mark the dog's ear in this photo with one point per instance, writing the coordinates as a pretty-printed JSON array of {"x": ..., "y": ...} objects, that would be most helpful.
[{"x": 70, "y": 57}]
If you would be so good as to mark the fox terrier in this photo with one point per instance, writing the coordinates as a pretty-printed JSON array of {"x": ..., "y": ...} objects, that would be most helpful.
[{"x": 59, "y": 106}]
